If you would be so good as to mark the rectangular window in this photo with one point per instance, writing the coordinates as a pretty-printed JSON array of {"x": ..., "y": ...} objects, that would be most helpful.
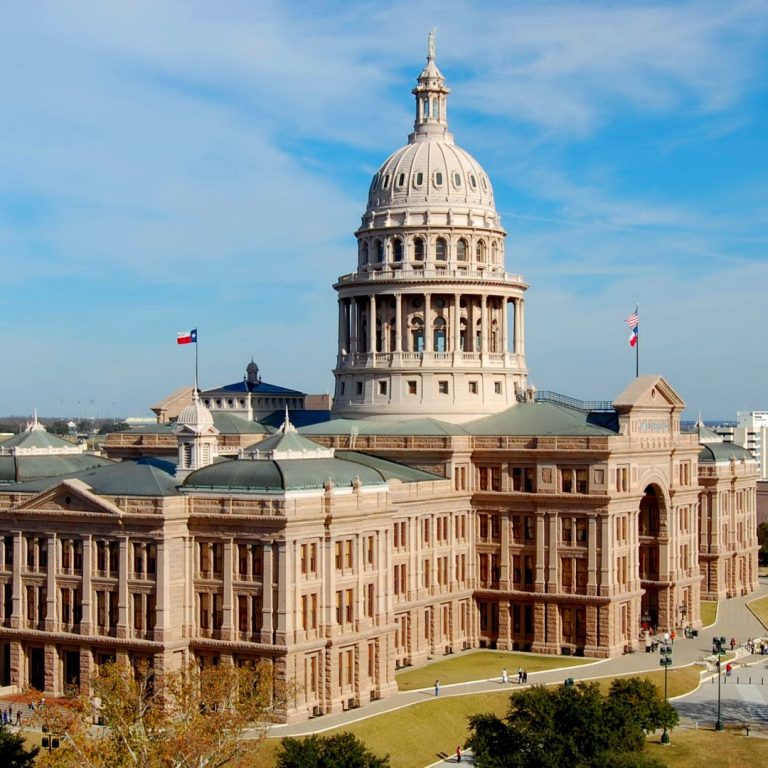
[
  {"x": 442, "y": 387},
  {"x": 472, "y": 387},
  {"x": 359, "y": 387},
  {"x": 412, "y": 390},
  {"x": 497, "y": 387},
  {"x": 382, "y": 387}
]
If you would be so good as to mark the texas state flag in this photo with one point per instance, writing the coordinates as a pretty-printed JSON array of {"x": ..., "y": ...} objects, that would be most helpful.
[{"x": 187, "y": 337}]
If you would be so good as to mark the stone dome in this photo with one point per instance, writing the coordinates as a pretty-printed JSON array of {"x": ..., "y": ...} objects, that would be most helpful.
[
  {"x": 434, "y": 170},
  {"x": 195, "y": 416},
  {"x": 431, "y": 171}
]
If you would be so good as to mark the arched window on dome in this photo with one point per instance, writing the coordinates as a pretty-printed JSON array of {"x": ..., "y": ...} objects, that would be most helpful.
[
  {"x": 439, "y": 335},
  {"x": 397, "y": 249},
  {"x": 456, "y": 179},
  {"x": 494, "y": 253},
  {"x": 418, "y": 180},
  {"x": 364, "y": 253},
  {"x": 418, "y": 248},
  {"x": 461, "y": 250},
  {"x": 480, "y": 251},
  {"x": 417, "y": 335},
  {"x": 379, "y": 251},
  {"x": 433, "y": 109},
  {"x": 473, "y": 180},
  {"x": 441, "y": 249}
]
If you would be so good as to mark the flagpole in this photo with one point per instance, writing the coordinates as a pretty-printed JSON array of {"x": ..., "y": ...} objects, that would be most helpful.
[
  {"x": 637, "y": 345},
  {"x": 197, "y": 344}
]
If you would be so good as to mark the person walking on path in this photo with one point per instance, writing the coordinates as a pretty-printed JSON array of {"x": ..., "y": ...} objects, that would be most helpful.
[
  {"x": 519, "y": 674},
  {"x": 733, "y": 643},
  {"x": 504, "y": 676},
  {"x": 525, "y": 675},
  {"x": 458, "y": 754},
  {"x": 437, "y": 687}
]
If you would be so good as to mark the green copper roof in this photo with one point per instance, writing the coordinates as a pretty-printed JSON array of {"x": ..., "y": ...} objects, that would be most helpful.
[
  {"x": 22, "y": 469},
  {"x": 288, "y": 441},
  {"x": 230, "y": 424},
  {"x": 147, "y": 476},
  {"x": 36, "y": 438},
  {"x": 425, "y": 426},
  {"x": 390, "y": 470},
  {"x": 711, "y": 453},
  {"x": 540, "y": 419}
]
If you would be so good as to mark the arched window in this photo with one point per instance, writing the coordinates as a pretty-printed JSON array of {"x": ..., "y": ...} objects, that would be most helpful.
[
  {"x": 379, "y": 335},
  {"x": 379, "y": 251},
  {"x": 441, "y": 249},
  {"x": 439, "y": 335},
  {"x": 417, "y": 335},
  {"x": 480, "y": 251},
  {"x": 478, "y": 335},
  {"x": 418, "y": 249},
  {"x": 494, "y": 253},
  {"x": 397, "y": 249},
  {"x": 461, "y": 250},
  {"x": 463, "y": 334},
  {"x": 364, "y": 254}
]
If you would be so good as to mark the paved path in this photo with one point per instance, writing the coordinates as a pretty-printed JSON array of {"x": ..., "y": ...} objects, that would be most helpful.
[{"x": 733, "y": 620}]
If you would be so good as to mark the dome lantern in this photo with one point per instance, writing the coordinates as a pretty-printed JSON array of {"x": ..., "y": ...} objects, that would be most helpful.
[{"x": 431, "y": 100}]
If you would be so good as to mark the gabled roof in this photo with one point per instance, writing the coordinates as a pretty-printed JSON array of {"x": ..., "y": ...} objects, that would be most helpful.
[
  {"x": 258, "y": 388},
  {"x": 541, "y": 419},
  {"x": 652, "y": 391},
  {"x": 62, "y": 495}
]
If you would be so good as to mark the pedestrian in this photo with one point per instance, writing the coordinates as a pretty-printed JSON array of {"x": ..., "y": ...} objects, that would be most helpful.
[
  {"x": 504, "y": 676},
  {"x": 18, "y": 717},
  {"x": 458, "y": 754},
  {"x": 666, "y": 638},
  {"x": 525, "y": 676},
  {"x": 672, "y": 637},
  {"x": 519, "y": 674},
  {"x": 733, "y": 643},
  {"x": 437, "y": 687}
]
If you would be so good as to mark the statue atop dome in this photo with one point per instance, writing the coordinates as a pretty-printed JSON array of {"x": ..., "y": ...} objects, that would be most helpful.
[{"x": 431, "y": 43}]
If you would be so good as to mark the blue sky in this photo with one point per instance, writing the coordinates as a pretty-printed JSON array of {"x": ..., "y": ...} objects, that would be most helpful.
[{"x": 168, "y": 165}]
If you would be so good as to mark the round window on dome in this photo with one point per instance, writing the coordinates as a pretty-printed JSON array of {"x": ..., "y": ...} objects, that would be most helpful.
[
  {"x": 385, "y": 183},
  {"x": 419, "y": 180},
  {"x": 400, "y": 180},
  {"x": 473, "y": 180},
  {"x": 437, "y": 179},
  {"x": 484, "y": 183},
  {"x": 456, "y": 179}
]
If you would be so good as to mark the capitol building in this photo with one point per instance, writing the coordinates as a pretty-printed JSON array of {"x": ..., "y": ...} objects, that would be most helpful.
[{"x": 442, "y": 504}]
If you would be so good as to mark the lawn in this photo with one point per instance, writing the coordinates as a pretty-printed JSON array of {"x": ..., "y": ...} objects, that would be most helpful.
[
  {"x": 415, "y": 736},
  {"x": 691, "y": 748},
  {"x": 479, "y": 665},
  {"x": 708, "y": 610},
  {"x": 759, "y": 608}
]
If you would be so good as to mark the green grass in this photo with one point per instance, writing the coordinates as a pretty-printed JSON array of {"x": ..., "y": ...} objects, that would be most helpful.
[
  {"x": 759, "y": 608},
  {"x": 691, "y": 748},
  {"x": 708, "y": 610},
  {"x": 479, "y": 665},
  {"x": 415, "y": 736}
]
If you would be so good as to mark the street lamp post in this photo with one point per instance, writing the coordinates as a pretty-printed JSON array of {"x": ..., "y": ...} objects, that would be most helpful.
[
  {"x": 665, "y": 659},
  {"x": 718, "y": 647}
]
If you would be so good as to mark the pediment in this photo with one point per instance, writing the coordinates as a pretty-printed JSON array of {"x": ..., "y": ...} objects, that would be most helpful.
[
  {"x": 69, "y": 496},
  {"x": 648, "y": 392}
]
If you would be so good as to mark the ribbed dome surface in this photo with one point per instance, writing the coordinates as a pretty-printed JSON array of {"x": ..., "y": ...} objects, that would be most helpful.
[
  {"x": 432, "y": 171},
  {"x": 195, "y": 415}
]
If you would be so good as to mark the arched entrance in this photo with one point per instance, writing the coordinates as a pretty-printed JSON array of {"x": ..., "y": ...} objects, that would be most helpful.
[{"x": 649, "y": 528}]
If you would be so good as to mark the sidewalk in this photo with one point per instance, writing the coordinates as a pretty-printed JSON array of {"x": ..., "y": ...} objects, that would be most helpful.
[{"x": 734, "y": 619}]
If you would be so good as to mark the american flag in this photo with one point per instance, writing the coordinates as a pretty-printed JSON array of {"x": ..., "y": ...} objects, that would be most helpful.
[{"x": 633, "y": 320}]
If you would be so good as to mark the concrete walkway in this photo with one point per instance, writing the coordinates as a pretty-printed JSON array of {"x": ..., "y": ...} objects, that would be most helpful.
[{"x": 734, "y": 619}]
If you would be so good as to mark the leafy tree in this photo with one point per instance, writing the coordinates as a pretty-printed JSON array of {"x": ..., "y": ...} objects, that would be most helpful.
[
  {"x": 572, "y": 727},
  {"x": 342, "y": 750},
  {"x": 195, "y": 719},
  {"x": 13, "y": 750},
  {"x": 762, "y": 537}
]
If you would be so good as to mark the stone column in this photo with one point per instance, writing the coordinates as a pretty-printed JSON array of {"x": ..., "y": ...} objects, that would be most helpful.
[
  {"x": 456, "y": 325},
  {"x": 353, "y": 325},
  {"x": 228, "y": 596},
  {"x": 372, "y": 327},
  {"x": 505, "y": 568},
  {"x": 267, "y": 597},
  {"x": 122, "y": 590},
  {"x": 504, "y": 325},
  {"x": 342, "y": 328},
  {"x": 592, "y": 555},
  {"x": 484, "y": 325},
  {"x": 539, "y": 584},
  {"x": 516, "y": 329},
  {"x": 429, "y": 342},
  {"x": 607, "y": 558},
  {"x": 284, "y": 610},
  {"x": 163, "y": 622},
  {"x": 86, "y": 620},
  {"x": 522, "y": 326},
  {"x": 553, "y": 576},
  {"x": 17, "y": 617},
  {"x": 398, "y": 322},
  {"x": 51, "y": 619}
]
